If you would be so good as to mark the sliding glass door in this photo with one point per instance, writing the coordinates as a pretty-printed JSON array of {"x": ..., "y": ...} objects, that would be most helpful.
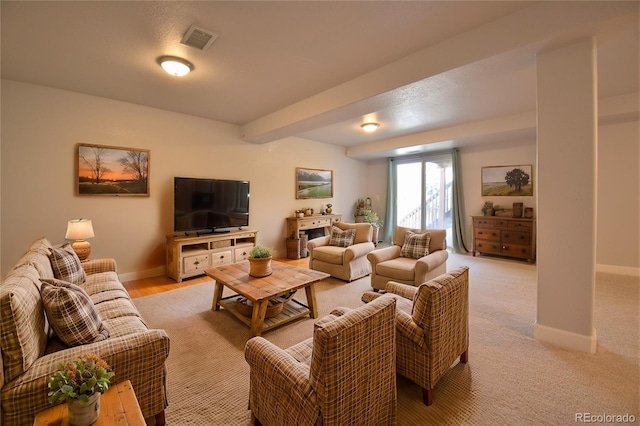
[{"x": 424, "y": 193}]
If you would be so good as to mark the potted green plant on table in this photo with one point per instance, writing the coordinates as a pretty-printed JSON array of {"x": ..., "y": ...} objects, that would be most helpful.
[
  {"x": 80, "y": 383},
  {"x": 260, "y": 261}
]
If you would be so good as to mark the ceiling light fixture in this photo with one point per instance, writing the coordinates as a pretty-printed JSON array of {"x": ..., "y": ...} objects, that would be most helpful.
[
  {"x": 369, "y": 127},
  {"x": 175, "y": 66}
]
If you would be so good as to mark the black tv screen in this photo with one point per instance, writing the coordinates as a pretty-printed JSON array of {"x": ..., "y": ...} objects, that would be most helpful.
[{"x": 209, "y": 204}]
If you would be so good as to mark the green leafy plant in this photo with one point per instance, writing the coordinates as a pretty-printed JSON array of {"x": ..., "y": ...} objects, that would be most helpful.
[
  {"x": 79, "y": 379},
  {"x": 329, "y": 206},
  {"x": 372, "y": 218},
  {"x": 260, "y": 252},
  {"x": 487, "y": 205}
]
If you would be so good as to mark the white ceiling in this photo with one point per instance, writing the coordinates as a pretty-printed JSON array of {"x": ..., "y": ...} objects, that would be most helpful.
[{"x": 433, "y": 74}]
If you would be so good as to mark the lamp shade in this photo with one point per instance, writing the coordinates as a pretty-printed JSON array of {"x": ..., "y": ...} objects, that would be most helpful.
[{"x": 79, "y": 229}]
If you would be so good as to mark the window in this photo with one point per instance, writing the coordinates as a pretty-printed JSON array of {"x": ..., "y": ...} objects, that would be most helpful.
[{"x": 424, "y": 193}]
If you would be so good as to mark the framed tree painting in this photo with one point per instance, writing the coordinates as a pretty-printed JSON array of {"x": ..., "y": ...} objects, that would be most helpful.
[
  {"x": 110, "y": 170},
  {"x": 507, "y": 180},
  {"x": 314, "y": 183}
]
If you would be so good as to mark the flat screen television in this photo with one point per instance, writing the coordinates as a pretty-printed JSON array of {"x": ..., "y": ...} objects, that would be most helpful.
[{"x": 209, "y": 204}]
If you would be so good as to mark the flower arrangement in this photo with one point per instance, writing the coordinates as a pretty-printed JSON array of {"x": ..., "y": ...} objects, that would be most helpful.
[{"x": 80, "y": 379}]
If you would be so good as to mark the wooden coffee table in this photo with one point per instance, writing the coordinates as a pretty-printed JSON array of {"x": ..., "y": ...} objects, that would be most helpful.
[
  {"x": 284, "y": 279},
  {"x": 118, "y": 405}
]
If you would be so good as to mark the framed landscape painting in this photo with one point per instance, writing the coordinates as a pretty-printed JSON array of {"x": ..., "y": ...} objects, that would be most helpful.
[
  {"x": 314, "y": 183},
  {"x": 507, "y": 180},
  {"x": 110, "y": 170}
]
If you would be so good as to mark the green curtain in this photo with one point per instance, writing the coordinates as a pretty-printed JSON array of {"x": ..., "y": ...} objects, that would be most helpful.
[
  {"x": 390, "y": 214},
  {"x": 457, "y": 220}
]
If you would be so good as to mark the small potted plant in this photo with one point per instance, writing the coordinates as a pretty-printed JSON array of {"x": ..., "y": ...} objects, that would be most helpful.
[
  {"x": 80, "y": 383},
  {"x": 260, "y": 261},
  {"x": 299, "y": 213},
  {"x": 328, "y": 209},
  {"x": 488, "y": 209},
  {"x": 372, "y": 218}
]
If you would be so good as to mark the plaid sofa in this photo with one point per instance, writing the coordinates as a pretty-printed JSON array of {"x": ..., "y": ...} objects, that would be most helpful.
[
  {"x": 344, "y": 375},
  {"x": 432, "y": 324},
  {"x": 31, "y": 353}
]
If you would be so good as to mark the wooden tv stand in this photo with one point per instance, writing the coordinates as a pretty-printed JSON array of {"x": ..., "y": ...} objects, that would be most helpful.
[{"x": 188, "y": 256}]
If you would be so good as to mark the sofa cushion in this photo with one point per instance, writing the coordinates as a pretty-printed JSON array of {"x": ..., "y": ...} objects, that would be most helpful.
[
  {"x": 400, "y": 268},
  {"x": 329, "y": 254},
  {"x": 363, "y": 231},
  {"x": 66, "y": 265},
  {"x": 23, "y": 338},
  {"x": 38, "y": 256},
  {"x": 71, "y": 313},
  {"x": 340, "y": 238},
  {"x": 415, "y": 245},
  {"x": 438, "y": 237}
]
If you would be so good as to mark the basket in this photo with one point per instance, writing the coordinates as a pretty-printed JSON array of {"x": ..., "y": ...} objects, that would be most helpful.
[
  {"x": 245, "y": 307},
  {"x": 304, "y": 239},
  {"x": 293, "y": 248}
]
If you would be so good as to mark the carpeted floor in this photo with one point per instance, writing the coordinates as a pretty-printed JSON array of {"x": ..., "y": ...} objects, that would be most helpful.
[{"x": 511, "y": 379}]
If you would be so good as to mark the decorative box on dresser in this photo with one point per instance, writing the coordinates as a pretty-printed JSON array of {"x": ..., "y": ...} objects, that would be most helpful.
[
  {"x": 189, "y": 256},
  {"x": 505, "y": 236}
]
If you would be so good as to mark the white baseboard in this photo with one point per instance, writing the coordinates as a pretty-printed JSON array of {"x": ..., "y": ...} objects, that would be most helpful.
[
  {"x": 565, "y": 339},
  {"x": 131, "y": 276},
  {"x": 619, "y": 270}
]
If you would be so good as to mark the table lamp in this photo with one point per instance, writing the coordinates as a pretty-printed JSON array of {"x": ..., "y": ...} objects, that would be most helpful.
[{"x": 79, "y": 230}]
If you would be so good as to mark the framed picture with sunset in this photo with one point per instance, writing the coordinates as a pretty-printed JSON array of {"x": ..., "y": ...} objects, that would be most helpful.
[{"x": 110, "y": 170}]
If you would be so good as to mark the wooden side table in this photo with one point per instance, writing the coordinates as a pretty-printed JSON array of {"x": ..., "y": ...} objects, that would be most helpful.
[{"x": 118, "y": 405}]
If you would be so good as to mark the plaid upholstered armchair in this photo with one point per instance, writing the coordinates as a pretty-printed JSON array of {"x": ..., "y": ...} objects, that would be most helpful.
[
  {"x": 344, "y": 375},
  {"x": 432, "y": 324}
]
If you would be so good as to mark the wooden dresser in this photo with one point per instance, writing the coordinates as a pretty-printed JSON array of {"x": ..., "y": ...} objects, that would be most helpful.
[{"x": 505, "y": 236}]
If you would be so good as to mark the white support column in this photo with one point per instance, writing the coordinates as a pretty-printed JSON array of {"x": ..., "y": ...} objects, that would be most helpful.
[{"x": 566, "y": 181}]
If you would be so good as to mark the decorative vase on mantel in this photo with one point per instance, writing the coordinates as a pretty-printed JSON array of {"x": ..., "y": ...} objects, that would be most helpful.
[
  {"x": 84, "y": 413},
  {"x": 260, "y": 267}
]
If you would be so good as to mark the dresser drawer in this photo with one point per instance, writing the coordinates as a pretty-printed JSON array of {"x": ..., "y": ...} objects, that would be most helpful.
[
  {"x": 315, "y": 223},
  {"x": 516, "y": 250},
  {"x": 515, "y": 237},
  {"x": 487, "y": 234},
  {"x": 195, "y": 263},
  {"x": 485, "y": 246},
  {"x": 484, "y": 223},
  {"x": 516, "y": 224},
  {"x": 221, "y": 257}
]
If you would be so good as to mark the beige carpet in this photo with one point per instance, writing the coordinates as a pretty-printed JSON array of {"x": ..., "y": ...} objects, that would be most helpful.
[{"x": 511, "y": 379}]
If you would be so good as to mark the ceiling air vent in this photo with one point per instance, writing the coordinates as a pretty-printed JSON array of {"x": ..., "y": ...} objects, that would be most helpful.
[{"x": 199, "y": 38}]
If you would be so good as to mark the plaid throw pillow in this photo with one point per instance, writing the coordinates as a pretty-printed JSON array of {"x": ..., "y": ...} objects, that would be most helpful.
[
  {"x": 340, "y": 238},
  {"x": 66, "y": 265},
  {"x": 71, "y": 313},
  {"x": 415, "y": 245}
]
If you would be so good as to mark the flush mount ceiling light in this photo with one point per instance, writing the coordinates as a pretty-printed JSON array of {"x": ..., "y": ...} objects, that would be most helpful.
[
  {"x": 369, "y": 127},
  {"x": 175, "y": 66}
]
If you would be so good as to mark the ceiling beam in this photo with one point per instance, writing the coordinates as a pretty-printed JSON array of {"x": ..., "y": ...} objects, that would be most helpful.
[{"x": 540, "y": 25}]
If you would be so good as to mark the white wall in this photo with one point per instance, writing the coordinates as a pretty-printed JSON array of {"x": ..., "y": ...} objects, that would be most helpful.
[
  {"x": 41, "y": 127},
  {"x": 618, "y": 215}
]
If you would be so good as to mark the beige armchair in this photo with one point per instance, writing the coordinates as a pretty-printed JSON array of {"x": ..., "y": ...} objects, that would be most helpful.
[
  {"x": 432, "y": 324},
  {"x": 344, "y": 374},
  {"x": 387, "y": 264},
  {"x": 346, "y": 263}
]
